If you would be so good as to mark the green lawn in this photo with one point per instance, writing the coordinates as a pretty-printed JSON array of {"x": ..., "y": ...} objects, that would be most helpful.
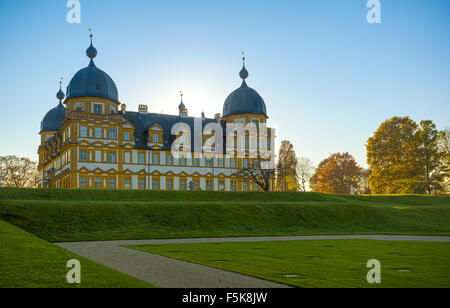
[
  {"x": 323, "y": 263},
  {"x": 29, "y": 262},
  {"x": 83, "y": 215}
]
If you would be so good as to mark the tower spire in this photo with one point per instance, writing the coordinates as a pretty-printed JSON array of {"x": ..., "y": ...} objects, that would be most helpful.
[
  {"x": 60, "y": 95},
  {"x": 91, "y": 52},
  {"x": 244, "y": 73},
  {"x": 90, "y": 35},
  {"x": 182, "y": 108}
]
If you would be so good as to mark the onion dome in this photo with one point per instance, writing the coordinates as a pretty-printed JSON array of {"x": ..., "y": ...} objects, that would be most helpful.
[
  {"x": 60, "y": 95},
  {"x": 245, "y": 99},
  {"x": 53, "y": 120},
  {"x": 92, "y": 81}
]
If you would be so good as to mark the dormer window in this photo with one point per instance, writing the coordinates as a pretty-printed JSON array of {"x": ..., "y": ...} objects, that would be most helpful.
[
  {"x": 155, "y": 138},
  {"x": 97, "y": 86}
]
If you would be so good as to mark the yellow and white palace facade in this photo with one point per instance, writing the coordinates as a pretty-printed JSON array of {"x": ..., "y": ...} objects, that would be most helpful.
[{"x": 90, "y": 140}]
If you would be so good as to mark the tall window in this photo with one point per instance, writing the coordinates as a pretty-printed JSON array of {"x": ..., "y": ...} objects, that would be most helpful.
[
  {"x": 182, "y": 161},
  {"x": 268, "y": 144},
  {"x": 112, "y": 157},
  {"x": 196, "y": 185},
  {"x": 169, "y": 185},
  {"x": 182, "y": 184},
  {"x": 155, "y": 184},
  {"x": 126, "y": 136},
  {"x": 127, "y": 157},
  {"x": 169, "y": 159},
  {"x": 112, "y": 183},
  {"x": 221, "y": 185},
  {"x": 247, "y": 142},
  {"x": 208, "y": 162},
  {"x": 245, "y": 163},
  {"x": 112, "y": 133},
  {"x": 245, "y": 186},
  {"x": 232, "y": 163},
  {"x": 97, "y": 109},
  {"x": 142, "y": 158},
  {"x": 98, "y": 182},
  {"x": 83, "y": 182},
  {"x": 127, "y": 183},
  {"x": 233, "y": 186},
  {"x": 155, "y": 138},
  {"x": 155, "y": 158},
  {"x": 220, "y": 162},
  {"x": 83, "y": 155},
  {"x": 209, "y": 185},
  {"x": 83, "y": 132},
  {"x": 98, "y": 132},
  {"x": 196, "y": 162},
  {"x": 142, "y": 183}
]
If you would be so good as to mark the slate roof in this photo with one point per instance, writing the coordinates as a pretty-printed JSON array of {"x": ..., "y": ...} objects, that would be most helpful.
[
  {"x": 143, "y": 122},
  {"x": 53, "y": 119}
]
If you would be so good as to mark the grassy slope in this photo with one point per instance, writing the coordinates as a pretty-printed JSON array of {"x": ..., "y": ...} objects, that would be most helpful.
[
  {"x": 73, "y": 215},
  {"x": 337, "y": 263},
  {"x": 29, "y": 262}
]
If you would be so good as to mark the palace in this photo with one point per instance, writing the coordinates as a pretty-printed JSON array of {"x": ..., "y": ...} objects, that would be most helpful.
[{"x": 90, "y": 140}]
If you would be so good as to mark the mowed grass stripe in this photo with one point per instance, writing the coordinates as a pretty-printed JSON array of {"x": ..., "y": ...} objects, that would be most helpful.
[
  {"x": 29, "y": 262},
  {"x": 322, "y": 263}
]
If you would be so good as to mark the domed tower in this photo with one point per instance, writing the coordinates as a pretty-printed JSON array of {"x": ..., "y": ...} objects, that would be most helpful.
[
  {"x": 91, "y": 90},
  {"x": 244, "y": 105},
  {"x": 53, "y": 120}
]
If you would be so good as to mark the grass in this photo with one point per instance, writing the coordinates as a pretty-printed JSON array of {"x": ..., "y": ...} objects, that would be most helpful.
[
  {"x": 323, "y": 263},
  {"x": 29, "y": 262},
  {"x": 83, "y": 215}
]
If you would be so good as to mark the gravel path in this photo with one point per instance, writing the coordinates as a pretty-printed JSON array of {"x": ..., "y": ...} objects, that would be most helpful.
[{"x": 170, "y": 273}]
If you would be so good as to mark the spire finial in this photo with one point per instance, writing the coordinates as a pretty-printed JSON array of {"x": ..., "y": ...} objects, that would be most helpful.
[
  {"x": 181, "y": 94},
  {"x": 91, "y": 52},
  {"x": 244, "y": 73},
  {"x": 60, "y": 95}
]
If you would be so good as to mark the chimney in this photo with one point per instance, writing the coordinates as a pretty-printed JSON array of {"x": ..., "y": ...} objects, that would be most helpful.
[
  {"x": 143, "y": 109},
  {"x": 123, "y": 108},
  {"x": 217, "y": 116}
]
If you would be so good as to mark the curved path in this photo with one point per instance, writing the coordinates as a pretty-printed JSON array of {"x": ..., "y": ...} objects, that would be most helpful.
[{"x": 170, "y": 273}]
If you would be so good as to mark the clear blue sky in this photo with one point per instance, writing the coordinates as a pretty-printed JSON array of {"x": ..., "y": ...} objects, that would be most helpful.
[{"x": 328, "y": 77}]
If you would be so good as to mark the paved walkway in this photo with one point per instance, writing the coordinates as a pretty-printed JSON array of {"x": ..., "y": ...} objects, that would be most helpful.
[{"x": 170, "y": 273}]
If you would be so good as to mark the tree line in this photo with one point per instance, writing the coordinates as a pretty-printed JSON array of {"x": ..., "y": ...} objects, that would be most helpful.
[{"x": 404, "y": 157}]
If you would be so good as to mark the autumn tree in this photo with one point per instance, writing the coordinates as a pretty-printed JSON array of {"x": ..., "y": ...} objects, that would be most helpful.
[
  {"x": 430, "y": 156},
  {"x": 18, "y": 172},
  {"x": 363, "y": 185},
  {"x": 443, "y": 186},
  {"x": 336, "y": 175},
  {"x": 407, "y": 158},
  {"x": 286, "y": 171},
  {"x": 305, "y": 170},
  {"x": 394, "y": 159}
]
